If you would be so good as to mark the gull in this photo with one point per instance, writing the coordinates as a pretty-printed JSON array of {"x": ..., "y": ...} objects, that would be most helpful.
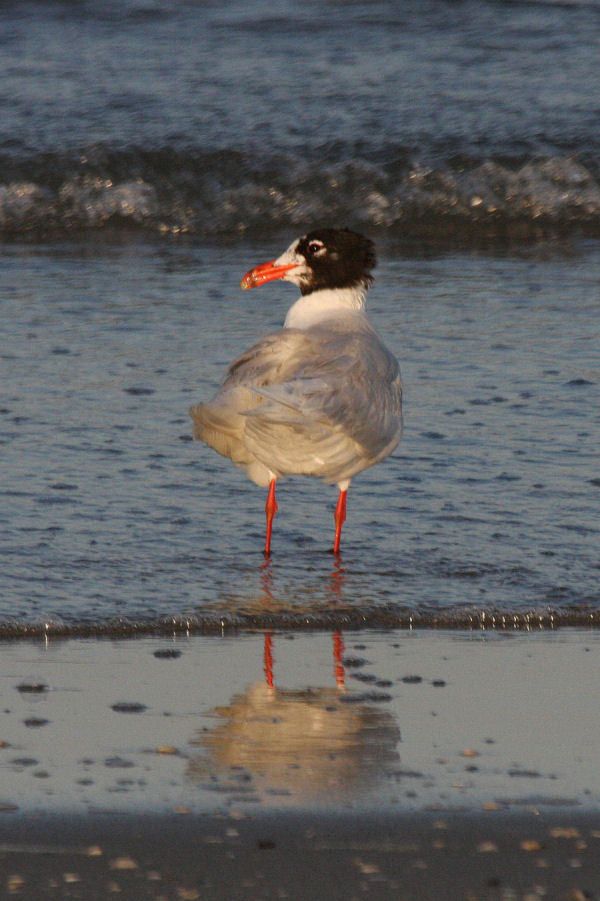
[{"x": 321, "y": 396}]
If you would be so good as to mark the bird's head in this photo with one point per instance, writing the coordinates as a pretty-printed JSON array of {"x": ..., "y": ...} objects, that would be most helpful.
[{"x": 326, "y": 258}]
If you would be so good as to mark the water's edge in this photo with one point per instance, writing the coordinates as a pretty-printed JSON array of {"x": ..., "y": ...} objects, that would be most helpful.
[{"x": 328, "y": 620}]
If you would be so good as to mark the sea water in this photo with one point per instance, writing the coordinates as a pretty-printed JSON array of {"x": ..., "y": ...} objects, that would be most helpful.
[{"x": 150, "y": 154}]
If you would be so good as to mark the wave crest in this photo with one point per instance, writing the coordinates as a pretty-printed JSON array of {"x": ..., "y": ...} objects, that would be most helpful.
[{"x": 217, "y": 193}]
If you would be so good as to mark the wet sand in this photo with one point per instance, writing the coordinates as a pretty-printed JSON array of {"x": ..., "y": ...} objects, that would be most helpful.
[
  {"x": 294, "y": 856},
  {"x": 287, "y": 765}
]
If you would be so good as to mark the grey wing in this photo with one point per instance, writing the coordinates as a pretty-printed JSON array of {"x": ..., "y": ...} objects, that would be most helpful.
[
  {"x": 308, "y": 401},
  {"x": 272, "y": 360},
  {"x": 338, "y": 414},
  {"x": 221, "y": 423},
  {"x": 365, "y": 390}
]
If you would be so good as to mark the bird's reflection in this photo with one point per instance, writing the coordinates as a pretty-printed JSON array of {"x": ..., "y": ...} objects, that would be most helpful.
[
  {"x": 317, "y": 744},
  {"x": 338, "y": 659},
  {"x": 266, "y": 581},
  {"x": 336, "y": 580},
  {"x": 334, "y": 584},
  {"x": 268, "y": 667},
  {"x": 282, "y": 590}
]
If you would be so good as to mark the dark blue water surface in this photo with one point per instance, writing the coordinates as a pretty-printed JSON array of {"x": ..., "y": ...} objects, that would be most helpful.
[
  {"x": 211, "y": 118},
  {"x": 150, "y": 153}
]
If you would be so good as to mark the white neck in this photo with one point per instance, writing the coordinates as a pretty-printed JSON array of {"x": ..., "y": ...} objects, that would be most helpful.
[{"x": 309, "y": 309}]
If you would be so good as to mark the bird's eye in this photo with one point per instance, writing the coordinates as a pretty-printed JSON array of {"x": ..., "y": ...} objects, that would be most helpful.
[{"x": 315, "y": 247}]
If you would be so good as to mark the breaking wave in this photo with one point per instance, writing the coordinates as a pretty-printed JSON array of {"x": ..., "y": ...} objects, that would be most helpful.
[{"x": 211, "y": 193}]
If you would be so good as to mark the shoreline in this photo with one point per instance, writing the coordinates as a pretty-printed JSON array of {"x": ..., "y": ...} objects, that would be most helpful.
[
  {"x": 346, "y": 618},
  {"x": 428, "y": 855}
]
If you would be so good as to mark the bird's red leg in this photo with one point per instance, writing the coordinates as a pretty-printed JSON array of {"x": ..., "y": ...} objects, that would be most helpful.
[
  {"x": 270, "y": 510},
  {"x": 340, "y": 516}
]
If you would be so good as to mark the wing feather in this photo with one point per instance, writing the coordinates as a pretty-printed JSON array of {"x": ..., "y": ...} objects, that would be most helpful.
[{"x": 322, "y": 401}]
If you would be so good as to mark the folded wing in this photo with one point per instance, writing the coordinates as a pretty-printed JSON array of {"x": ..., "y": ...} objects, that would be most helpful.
[{"x": 324, "y": 401}]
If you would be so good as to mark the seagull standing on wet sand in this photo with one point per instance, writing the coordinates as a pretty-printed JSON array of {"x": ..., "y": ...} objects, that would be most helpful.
[{"x": 320, "y": 397}]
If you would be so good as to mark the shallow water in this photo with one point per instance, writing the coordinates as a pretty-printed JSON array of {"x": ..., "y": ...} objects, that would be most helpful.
[
  {"x": 388, "y": 722},
  {"x": 111, "y": 518}
]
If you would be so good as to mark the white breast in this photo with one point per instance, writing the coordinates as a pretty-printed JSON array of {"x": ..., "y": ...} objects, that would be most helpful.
[{"x": 309, "y": 310}]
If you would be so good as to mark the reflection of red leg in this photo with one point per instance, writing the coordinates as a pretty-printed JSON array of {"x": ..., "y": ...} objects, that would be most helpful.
[
  {"x": 270, "y": 510},
  {"x": 338, "y": 654},
  {"x": 340, "y": 516},
  {"x": 269, "y": 659}
]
